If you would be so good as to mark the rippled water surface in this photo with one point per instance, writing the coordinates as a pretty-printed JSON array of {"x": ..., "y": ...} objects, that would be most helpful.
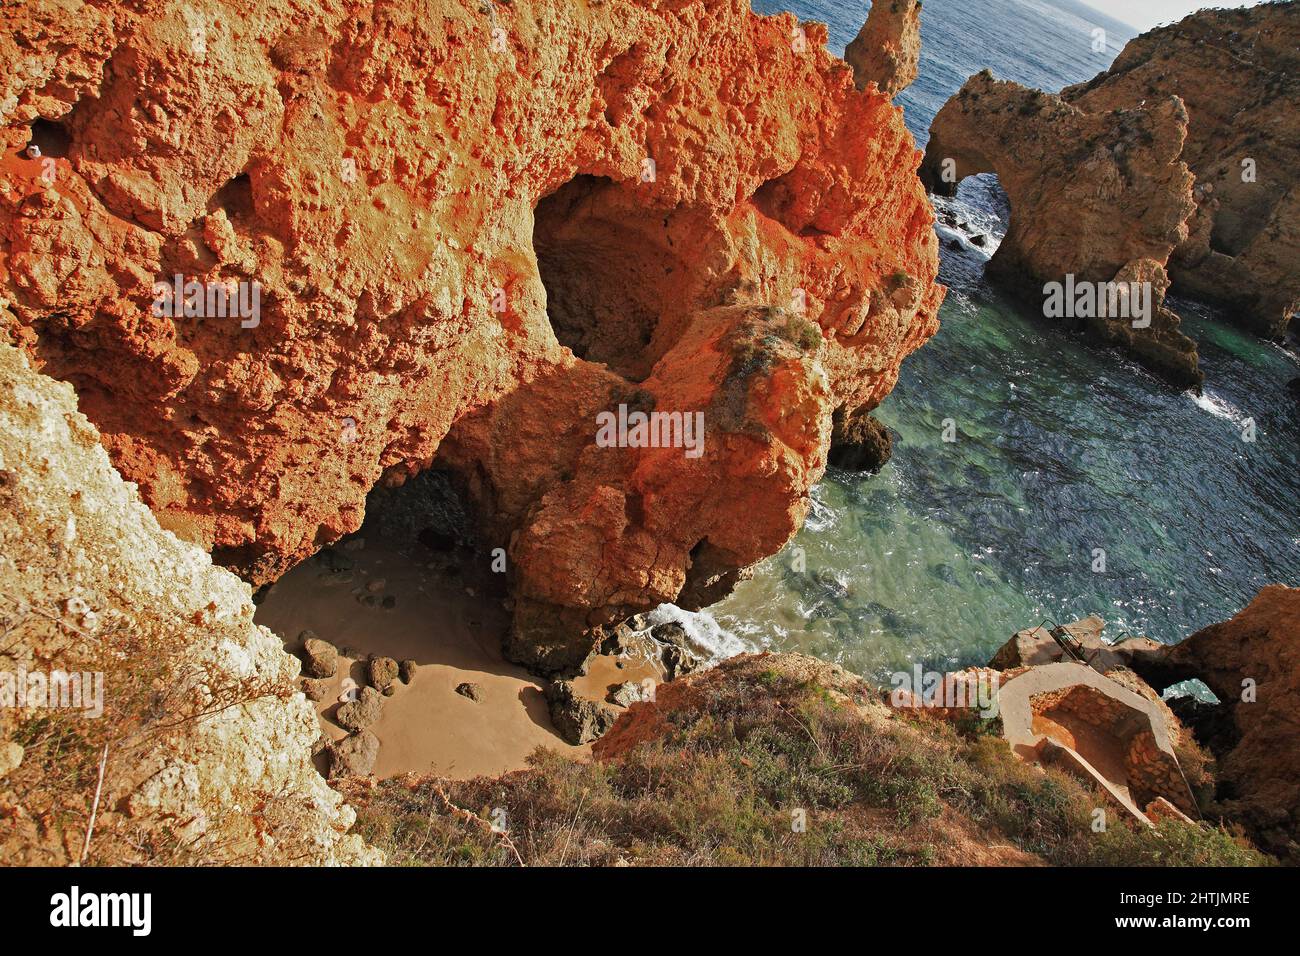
[{"x": 1061, "y": 449}]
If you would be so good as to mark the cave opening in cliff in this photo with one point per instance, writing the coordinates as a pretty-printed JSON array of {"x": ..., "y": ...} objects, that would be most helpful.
[
  {"x": 235, "y": 198},
  {"x": 607, "y": 262},
  {"x": 51, "y": 138},
  {"x": 1236, "y": 227},
  {"x": 406, "y": 616},
  {"x": 419, "y": 540},
  {"x": 429, "y": 509},
  {"x": 426, "y": 518}
]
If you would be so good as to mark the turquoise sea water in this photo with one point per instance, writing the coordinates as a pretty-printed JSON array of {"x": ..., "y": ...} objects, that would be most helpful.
[{"x": 1060, "y": 449}]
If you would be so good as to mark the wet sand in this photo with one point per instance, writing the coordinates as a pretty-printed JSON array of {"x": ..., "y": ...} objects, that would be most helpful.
[
  {"x": 605, "y": 672},
  {"x": 454, "y": 637}
]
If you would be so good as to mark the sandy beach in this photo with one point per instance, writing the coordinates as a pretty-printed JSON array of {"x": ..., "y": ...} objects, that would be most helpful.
[{"x": 453, "y": 636}]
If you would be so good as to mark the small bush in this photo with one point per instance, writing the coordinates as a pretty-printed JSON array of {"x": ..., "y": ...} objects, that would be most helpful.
[{"x": 1172, "y": 843}]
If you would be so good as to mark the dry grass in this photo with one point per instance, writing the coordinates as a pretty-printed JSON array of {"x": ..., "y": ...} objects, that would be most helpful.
[
  {"x": 724, "y": 783},
  {"x": 152, "y": 692}
]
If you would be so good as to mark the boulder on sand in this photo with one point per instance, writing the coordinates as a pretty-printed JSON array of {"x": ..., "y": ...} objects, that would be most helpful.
[
  {"x": 354, "y": 755},
  {"x": 316, "y": 689},
  {"x": 577, "y": 719},
  {"x": 628, "y": 693},
  {"x": 360, "y": 713},
  {"x": 319, "y": 658},
  {"x": 382, "y": 672}
]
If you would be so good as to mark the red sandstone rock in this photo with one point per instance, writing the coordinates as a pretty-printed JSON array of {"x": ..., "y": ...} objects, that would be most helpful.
[{"x": 712, "y": 215}]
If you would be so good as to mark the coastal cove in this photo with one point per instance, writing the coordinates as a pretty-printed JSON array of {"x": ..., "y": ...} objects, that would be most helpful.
[
  {"x": 400, "y": 542},
  {"x": 1062, "y": 448}
]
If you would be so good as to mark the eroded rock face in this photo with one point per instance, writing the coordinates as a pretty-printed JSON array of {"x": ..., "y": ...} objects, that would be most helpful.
[
  {"x": 1106, "y": 164},
  {"x": 1238, "y": 74},
  {"x": 887, "y": 50},
  {"x": 860, "y": 443},
  {"x": 1252, "y": 664},
  {"x": 206, "y": 743},
  {"x": 473, "y": 229},
  {"x": 1099, "y": 196}
]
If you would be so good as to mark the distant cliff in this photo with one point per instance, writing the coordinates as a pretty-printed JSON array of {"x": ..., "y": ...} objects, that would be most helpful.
[
  {"x": 1095, "y": 198},
  {"x": 1238, "y": 75},
  {"x": 1098, "y": 176}
]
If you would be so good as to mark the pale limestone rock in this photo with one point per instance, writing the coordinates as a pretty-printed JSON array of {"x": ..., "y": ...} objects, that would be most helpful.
[
  {"x": 219, "y": 752},
  {"x": 11, "y": 755}
]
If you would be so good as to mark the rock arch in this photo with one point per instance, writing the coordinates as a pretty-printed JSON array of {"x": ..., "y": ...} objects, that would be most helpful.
[
  {"x": 1070, "y": 178},
  {"x": 397, "y": 164}
]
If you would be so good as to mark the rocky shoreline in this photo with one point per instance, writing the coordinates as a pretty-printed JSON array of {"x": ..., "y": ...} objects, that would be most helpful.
[
  {"x": 187, "y": 765},
  {"x": 367, "y": 542},
  {"x": 1175, "y": 168}
]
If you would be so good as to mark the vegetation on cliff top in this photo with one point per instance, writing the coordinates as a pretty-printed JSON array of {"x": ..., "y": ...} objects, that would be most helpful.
[{"x": 737, "y": 764}]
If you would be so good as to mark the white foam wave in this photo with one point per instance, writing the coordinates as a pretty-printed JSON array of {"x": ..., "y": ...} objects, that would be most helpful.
[
  {"x": 709, "y": 639},
  {"x": 1217, "y": 406},
  {"x": 1288, "y": 348},
  {"x": 821, "y": 516}
]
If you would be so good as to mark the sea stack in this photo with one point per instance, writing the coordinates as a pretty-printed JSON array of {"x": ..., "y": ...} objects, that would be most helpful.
[
  {"x": 1183, "y": 157},
  {"x": 1110, "y": 208},
  {"x": 1238, "y": 75},
  {"x": 887, "y": 50}
]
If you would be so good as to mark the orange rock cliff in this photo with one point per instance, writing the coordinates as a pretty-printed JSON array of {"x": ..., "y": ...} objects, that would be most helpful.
[
  {"x": 1179, "y": 165},
  {"x": 465, "y": 231}
]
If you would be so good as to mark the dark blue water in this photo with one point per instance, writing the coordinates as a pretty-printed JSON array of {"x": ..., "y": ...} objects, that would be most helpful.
[
  {"x": 1062, "y": 450},
  {"x": 1047, "y": 46}
]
